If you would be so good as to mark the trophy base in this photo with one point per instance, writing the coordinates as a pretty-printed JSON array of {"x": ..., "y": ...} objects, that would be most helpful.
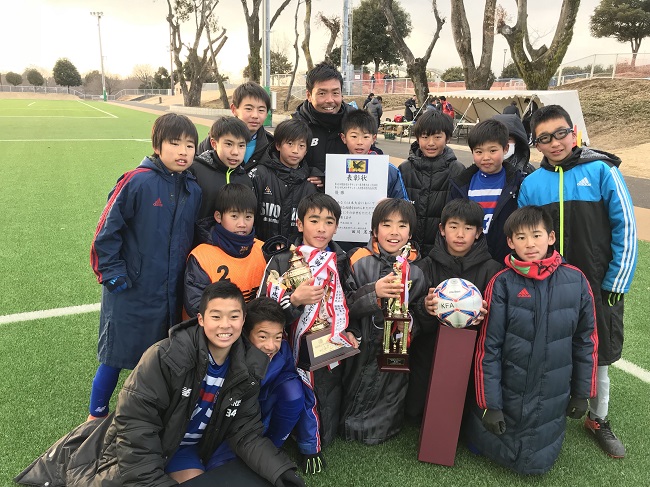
[
  {"x": 316, "y": 350},
  {"x": 393, "y": 362}
]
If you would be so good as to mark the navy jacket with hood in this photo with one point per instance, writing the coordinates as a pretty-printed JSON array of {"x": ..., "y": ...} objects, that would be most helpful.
[
  {"x": 144, "y": 233},
  {"x": 517, "y": 131}
]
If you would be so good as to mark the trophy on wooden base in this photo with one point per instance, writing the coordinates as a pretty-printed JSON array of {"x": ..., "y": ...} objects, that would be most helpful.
[
  {"x": 315, "y": 348},
  {"x": 397, "y": 320}
]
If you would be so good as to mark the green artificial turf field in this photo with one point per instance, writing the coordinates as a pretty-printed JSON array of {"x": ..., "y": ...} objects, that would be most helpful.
[{"x": 64, "y": 157}]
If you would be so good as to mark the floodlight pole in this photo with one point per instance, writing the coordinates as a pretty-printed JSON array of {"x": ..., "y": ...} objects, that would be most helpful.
[
  {"x": 101, "y": 55},
  {"x": 345, "y": 48},
  {"x": 171, "y": 61}
]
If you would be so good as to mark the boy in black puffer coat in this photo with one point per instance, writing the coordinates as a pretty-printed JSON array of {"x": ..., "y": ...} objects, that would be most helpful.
[{"x": 426, "y": 174}]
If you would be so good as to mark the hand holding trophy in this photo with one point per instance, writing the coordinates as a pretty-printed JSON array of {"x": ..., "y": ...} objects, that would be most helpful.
[{"x": 397, "y": 319}]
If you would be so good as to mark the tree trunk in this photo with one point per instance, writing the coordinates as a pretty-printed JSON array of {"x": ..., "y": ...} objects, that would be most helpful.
[
  {"x": 306, "y": 40},
  {"x": 538, "y": 66},
  {"x": 376, "y": 66},
  {"x": 295, "y": 64},
  {"x": 222, "y": 89},
  {"x": 476, "y": 78},
  {"x": 193, "y": 96},
  {"x": 416, "y": 68}
]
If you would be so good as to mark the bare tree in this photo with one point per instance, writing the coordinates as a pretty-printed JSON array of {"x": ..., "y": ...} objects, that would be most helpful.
[
  {"x": 537, "y": 66},
  {"x": 416, "y": 68},
  {"x": 333, "y": 24},
  {"x": 295, "y": 65},
  {"x": 198, "y": 64},
  {"x": 307, "y": 39},
  {"x": 252, "y": 16},
  {"x": 476, "y": 78},
  {"x": 144, "y": 73}
]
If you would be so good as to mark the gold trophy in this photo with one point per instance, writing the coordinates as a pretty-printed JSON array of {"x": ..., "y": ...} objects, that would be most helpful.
[
  {"x": 394, "y": 354},
  {"x": 315, "y": 349}
]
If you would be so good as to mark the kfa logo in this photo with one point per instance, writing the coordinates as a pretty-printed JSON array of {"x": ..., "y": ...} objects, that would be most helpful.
[
  {"x": 270, "y": 209},
  {"x": 314, "y": 141}
]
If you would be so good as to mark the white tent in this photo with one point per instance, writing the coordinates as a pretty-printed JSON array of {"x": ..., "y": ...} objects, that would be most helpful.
[{"x": 483, "y": 104}]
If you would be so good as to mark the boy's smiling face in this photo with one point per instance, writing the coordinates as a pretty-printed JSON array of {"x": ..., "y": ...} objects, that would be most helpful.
[
  {"x": 177, "y": 155},
  {"x": 393, "y": 233},
  {"x": 556, "y": 150},
  {"x": 251, "y": 111},
  {"x": 318, "y": 228},
  {"x": 432, "y": 145},
  {"x": 222, "y": 323},
  {"x": 531, "y": 244},
  {"x": 358, "y": 141},
  {"x": 267, "y": 336},
  {"x": 488, "y": 157},
  {"x": 238, "y": 222},
  {"x": 229, "y": 149}
]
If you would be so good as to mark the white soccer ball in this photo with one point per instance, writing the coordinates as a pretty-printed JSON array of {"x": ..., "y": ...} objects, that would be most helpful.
[{"x": 459, "y": 302}]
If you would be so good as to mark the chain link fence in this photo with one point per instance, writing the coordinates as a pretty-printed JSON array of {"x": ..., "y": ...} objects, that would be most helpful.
[{"x": 628, "y": 66}]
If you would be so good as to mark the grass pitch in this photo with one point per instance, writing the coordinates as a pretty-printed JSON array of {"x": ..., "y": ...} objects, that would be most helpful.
[{"x": 61, "y": 168}]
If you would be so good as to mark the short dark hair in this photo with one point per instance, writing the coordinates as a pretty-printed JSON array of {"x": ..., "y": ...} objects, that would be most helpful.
[
  {"x": 172, "y": 126},
  {"x": 489, "y": 130},
  {"x": 379, "y": 98},
  {"x": 322, "y": 72},
  {"x": 371, "y": 94},
  {"x": 546, "y": 113},
  {"x": 292, "y": 130},
  {"x": 319, "y": 201},
  {"x": 221, "y": 290},
  {"x": 235, "y": 197},
  {"x": 527, "y": 217},
  {"x": 387, "y": 207},
  {"x": 442, "y": 98},
  {"x": 253, "y": 90},
  {"x": 230, "y": 126},
  {"x": 465, "y": 210},
  {"x": 360, "y": 120},
  {"x": 263, "y": 309},
  {"x": 433, "y": 122}
]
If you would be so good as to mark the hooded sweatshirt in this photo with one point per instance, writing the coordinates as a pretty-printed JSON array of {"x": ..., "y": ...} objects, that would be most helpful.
[{"x": 522, "y": 151}]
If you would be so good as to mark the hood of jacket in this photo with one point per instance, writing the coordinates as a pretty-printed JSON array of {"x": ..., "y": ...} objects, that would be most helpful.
[
  {"x": 517, "y": 131},
  {"x": 375, "y": 101},
  {"x": 329, "y": 121},
  {"x": 478, "y": 254},
  {"x": 582, "y": 155}
]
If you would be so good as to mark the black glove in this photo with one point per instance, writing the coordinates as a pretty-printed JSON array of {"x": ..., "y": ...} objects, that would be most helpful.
[
  {"x": 313, "y": 463},
  {"x": 577, "y": 408},
  {"x": 289, "y": 478},
  {"x": 116, "y": 285},
  {"x": 494, "y": 422}
]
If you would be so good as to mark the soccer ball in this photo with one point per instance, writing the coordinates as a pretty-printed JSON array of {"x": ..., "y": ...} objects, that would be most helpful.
[{"x": 459, "y": 302}]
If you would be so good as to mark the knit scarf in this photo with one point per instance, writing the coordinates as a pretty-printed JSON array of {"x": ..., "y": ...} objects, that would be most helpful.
[{"x": 538, "y": 269}]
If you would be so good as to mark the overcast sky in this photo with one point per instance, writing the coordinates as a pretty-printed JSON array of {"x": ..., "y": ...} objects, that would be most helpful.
[{"x": 38, "y": 32}]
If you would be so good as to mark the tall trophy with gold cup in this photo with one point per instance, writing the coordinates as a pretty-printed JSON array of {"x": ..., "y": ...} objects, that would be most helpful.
[{"x": 397, "y": 320}]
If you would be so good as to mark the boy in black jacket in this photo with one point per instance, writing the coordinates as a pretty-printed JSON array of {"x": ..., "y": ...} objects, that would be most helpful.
[
  {"x": 222, "y": 165},
  {"x": 189, "y": 393},
  {"x": 460, "y": 251},
  {"x": 280, "y": 181}
]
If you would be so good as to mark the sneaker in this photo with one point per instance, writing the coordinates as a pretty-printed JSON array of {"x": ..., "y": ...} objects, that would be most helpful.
[{"x": 606, "y": 438}]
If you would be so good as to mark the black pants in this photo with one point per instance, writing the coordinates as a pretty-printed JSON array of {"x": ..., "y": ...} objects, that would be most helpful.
[{"x": 231, "y": 474}]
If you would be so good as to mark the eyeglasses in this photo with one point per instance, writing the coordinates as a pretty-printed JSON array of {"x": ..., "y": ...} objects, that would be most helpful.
[{"x": 559, "y": 134}]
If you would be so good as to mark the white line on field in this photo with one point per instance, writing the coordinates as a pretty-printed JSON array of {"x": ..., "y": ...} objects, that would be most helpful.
[
  {"x": 49, "y": 313},
  {"x": 99, "y": 110},
  {"x": 31, "y": 104},
  {"x": 50, "y": 116},
  {"x": 74, "y": 140},
  {"x": 633, "y": 369}
]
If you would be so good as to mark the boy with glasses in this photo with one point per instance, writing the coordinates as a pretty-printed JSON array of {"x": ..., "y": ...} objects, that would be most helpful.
[{"x": 593, "y": 218}]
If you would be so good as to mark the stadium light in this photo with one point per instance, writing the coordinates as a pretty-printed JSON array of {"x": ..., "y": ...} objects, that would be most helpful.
[{"x": 101, "y": 55}]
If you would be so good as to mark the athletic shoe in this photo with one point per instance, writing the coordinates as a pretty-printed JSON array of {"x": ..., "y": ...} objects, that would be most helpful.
[{"x": 605, "y": 437}]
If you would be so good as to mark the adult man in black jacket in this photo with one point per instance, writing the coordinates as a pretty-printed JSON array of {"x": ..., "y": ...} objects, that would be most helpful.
[{"x": 323, "y": 111}]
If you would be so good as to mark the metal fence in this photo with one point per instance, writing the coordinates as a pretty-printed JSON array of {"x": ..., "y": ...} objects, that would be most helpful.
[{"x": 611, "y": 66}]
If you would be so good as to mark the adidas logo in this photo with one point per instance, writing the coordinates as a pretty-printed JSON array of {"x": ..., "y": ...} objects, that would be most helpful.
[
  {"x": 523, "y": 293},
  {"x": 185, "y": 392},
  {"x": 584, "y": 182},
  {"x": 158, "y": 202},
  {"x": 267, "y": 190}
]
